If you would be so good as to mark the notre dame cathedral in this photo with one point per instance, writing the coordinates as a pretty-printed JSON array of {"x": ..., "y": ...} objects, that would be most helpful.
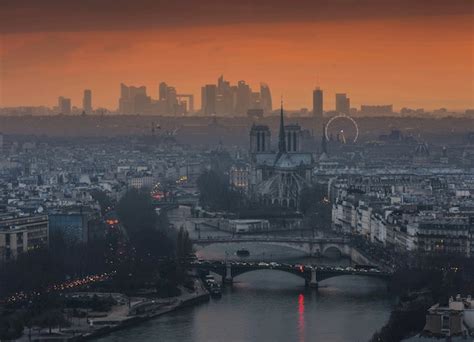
[{"x": 277, "y": 177}]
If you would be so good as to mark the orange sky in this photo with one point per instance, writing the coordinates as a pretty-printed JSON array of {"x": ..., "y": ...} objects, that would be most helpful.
[{"x": 414, "y": 61}]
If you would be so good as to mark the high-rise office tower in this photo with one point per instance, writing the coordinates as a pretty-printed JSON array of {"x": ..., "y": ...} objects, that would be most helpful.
[
  {"x": 208, "y": 99},
  {"x": 125, "y": 105},
  {"x": 87, "y": 101},
  {"x": 163, "y": 88},
  {"x": 64, "y": 105},
  {"x": 342, "y": 104},
  {"x": 255, "y": 100},
  {"x": 171, "y": 100},
  {"x": 265, "y": 98},
  {"x": 317, "y": 103},
  {"x": 133, "y": 100},
  {"x": 243, "y": 98},
  {"x": 225, "y": 98}
]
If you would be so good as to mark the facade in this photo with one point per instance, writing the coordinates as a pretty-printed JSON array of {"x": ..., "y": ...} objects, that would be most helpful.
[
  {"x": 454, "y": 319},
  {"x": 443, "y": 236},
  {"x": 277, "y": 178},
  {"x": 72, "y": 225},
  {"x": 144, "y": 181},
  {"x": 21, "y": 234},
  {"x": 239, "y": 176}
]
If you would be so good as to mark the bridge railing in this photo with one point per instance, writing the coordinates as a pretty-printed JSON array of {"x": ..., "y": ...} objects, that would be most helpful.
[
  {"x": 212, "y": 264},
  {"x": 266, "y": 239}
]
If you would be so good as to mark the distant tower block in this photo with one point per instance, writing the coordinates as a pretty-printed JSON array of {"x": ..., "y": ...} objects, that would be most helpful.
[
  {"x": 318, "y": 103},
  {"x": 342, "y": 104},
  {"x": 87, "y": 101}
]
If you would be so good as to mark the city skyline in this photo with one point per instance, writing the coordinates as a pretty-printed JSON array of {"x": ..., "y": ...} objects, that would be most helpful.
[
  {"x": 166, "y": 100},
  {"x": 402, "y": 53},
  {"x": 255, "y": 170}
]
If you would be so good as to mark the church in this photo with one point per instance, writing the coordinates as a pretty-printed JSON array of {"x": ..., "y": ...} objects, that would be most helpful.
[{"x": 278, "y": 177}]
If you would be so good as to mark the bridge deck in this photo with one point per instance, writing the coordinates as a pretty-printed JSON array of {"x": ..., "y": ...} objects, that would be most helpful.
[
  {"x": 223, "y": 239},
  {"x": 304, "y": 271}
]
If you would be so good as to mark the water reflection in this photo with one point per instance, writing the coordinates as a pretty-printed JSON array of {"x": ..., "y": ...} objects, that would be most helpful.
[
  {"x": 301, "y": 329},
  {"x": 269, "y": 305}
]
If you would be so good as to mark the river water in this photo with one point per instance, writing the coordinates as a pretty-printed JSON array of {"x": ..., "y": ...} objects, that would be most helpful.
[{"x": 272, "y": 306}]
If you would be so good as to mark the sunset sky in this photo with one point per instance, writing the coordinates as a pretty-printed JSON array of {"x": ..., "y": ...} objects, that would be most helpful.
[{"x": 406, "y": 53}]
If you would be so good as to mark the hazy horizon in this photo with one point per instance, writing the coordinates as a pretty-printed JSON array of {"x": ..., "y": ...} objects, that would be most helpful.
[{"x": 403, "y": 53}]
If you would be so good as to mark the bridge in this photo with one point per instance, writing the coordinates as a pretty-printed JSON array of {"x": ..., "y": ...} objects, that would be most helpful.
[
  {"x": 311, "y": 274},
  {"x": 310, "y": 246}
]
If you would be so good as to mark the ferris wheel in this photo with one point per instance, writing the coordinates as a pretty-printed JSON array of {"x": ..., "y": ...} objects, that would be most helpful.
[{"x": 338, "y": 123}]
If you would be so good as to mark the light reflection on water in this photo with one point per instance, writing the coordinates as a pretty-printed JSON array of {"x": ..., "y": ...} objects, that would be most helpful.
[{"x": 268, "y": 305}]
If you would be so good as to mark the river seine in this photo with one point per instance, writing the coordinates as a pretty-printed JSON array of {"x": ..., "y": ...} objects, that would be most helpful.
[{"x": 274, "y": 306}]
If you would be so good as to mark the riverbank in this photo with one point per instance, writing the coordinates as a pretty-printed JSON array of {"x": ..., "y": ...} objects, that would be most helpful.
[
  {"x": 201, "y": 296},
  {"x": 122, "y": 317}
]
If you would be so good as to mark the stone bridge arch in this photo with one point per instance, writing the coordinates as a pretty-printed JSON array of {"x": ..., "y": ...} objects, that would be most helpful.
[
  {"x": 305, "y": 275},
  {"x": 330, "y": 249},
  {"x": 302, "y": 247},
  {"x": 309, "y": 247}
]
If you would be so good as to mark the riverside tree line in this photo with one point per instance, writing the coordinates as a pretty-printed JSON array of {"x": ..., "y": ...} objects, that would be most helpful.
[{"x": 142, "y": 252}]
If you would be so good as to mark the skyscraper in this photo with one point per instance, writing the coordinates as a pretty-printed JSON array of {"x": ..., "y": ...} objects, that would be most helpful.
[
  {"x": 64, "y": 105},
  {"x": 208, "y": 99},
  {"x": 225, "y": 98},
  {"x": 171, "y": 100},
  {"x": 133, "y": 100},
  {"x": 87, "y": 101},
  {"x": 125, "y": 105},
  {"x": 265, "y": 98},
  {"x": 317, "y": 103},
  {"x": 243, "y": 98},
  {"x": 342, "y": 104},
  {"x": 163, "y": 88}
]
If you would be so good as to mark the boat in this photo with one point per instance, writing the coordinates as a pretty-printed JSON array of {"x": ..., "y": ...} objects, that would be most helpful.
[
  {"x": 215, "y": 291},
  {"x": 243, "y": 252}
]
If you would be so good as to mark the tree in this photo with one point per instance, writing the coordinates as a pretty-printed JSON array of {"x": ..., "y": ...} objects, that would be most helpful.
[
  {"x": 136, "y": 212},
  {"x": 11, "y": 327},
  {"x": 216, "y": 192},
  {"x": 104, "y": 200},
  {"x": 316, "y": 207},
  {"x": 184, "y": 245},
  {"x": 149, "y": 236},
  {"x": 51, "y": 319}
]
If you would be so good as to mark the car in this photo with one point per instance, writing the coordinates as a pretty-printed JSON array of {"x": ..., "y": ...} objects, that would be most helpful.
[
  {"x": 264, "y": 264},
  {"x": 274, "y": 264}
]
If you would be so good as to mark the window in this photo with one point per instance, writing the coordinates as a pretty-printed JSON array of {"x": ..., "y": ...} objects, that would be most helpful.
[{"x": 445, "y": 322}]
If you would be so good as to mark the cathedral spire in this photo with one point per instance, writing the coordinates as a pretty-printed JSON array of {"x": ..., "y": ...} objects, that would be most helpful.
[{"x": 281, "y": 136}]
